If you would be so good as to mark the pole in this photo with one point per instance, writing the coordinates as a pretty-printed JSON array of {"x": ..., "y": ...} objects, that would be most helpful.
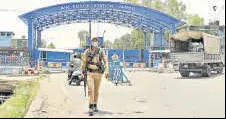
[
  {"x": 103, "y": 34},
  {"x": 90, "y": 25},
  {"x": 161, "y": 42},
  {"x": 90, "y": 33},
  {"x": 103, "y": 37},
  {"x": 30, "y": 39},
  {"x": 145, "y": 40}
]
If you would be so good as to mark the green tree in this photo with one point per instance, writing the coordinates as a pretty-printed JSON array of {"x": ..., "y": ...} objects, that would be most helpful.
[
  {"x": 124, "y": 42},
  {"x": 51, "y": 46},
  {"x": 195, "y": 20},
  {"x": 116, "y": 44},
  {"x": 82, "y": 43},
  {"x": 83, "y": 36},
  {"x": 137, "y": 36},
  {"x": 147, "y": 3},
  {"x": 132, "y": 1},
  {"x": 158, "y": 5},
  {"x": 43, "y": 43},
  {"x": 171, "y": 7},
  {"x": 108, "y": 44},
  {"x": 175, "y": 9},
  {"x": 166, "y": 35},
  {"x": 138, "y": 39}
]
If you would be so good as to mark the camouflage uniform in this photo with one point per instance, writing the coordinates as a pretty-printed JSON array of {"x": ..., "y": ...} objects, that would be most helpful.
[{"x": 93, "y": 75}]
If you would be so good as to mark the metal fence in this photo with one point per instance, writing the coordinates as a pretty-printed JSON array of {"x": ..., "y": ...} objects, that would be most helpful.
[{"x": 12, "y": 64}]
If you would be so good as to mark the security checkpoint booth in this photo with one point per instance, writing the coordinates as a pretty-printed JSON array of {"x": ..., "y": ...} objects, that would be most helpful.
[
  {"x": 154, "y": 57},
  {"x": 53, "y": 59}
]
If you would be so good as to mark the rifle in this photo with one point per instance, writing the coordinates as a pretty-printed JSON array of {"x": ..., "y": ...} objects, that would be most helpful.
[
  {"x": 85, "y": 75},
  {"x": 85, "y": 79}
]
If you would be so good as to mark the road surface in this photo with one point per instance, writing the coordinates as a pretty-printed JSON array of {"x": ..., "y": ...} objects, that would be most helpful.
[{"x": 151, "y": 95}]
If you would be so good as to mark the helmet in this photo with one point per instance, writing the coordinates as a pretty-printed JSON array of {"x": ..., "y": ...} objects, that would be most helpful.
[
  {"x": 94, "y": 39},
  {"x": 76, "y": 55}
]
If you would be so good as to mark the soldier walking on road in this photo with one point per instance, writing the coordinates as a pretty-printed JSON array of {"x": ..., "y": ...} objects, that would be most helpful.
[{"x": 94, "y": 60}]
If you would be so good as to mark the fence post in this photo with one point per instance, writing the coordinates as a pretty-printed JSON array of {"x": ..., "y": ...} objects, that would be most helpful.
[{"x": 5, "y": 62}]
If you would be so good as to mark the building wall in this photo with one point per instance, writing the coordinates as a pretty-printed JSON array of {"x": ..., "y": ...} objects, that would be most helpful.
[
  {"x": 5, "y": 39},
  {"x": 19, "y": 43},
  {"x": 52, "y": 57}
]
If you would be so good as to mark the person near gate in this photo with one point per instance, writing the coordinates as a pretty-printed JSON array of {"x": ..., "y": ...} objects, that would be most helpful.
[{"x": 94, "y": 60}]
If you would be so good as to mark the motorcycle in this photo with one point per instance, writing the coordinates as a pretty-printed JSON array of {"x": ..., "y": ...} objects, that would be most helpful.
[{"x": 75, "y": 77}]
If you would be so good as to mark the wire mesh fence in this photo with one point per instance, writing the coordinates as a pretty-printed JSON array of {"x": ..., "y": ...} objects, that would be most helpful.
[{"x": 10, "y": 65}]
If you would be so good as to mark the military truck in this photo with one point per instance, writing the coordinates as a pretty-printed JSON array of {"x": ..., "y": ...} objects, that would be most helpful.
[{"x": 197, "y": 52}]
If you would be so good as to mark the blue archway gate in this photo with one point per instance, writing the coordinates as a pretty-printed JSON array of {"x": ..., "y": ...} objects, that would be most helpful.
[
  {"x": 120, "y": 13},
  {"x": 124, "y": 14}
]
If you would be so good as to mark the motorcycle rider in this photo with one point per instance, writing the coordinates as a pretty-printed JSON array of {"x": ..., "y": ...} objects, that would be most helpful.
[{"x": 74, "y": 64}]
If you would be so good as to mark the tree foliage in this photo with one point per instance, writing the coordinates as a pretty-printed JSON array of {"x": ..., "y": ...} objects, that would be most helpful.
[
  {"x": 171, "y": 7},
  {"x": 108, "y": 44},
  {"x": 195, "y": 20},
  {"x": 82, "y": 43},
  {"x": 125, "y": 42},
  {"x": 51, "y": 46},
  {"x": 83, "y": 36},
  {"x": 132, "y": 1},
  {"x": 43, "y": 43}
]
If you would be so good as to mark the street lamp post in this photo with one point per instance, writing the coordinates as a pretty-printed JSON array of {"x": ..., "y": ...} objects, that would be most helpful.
[{"x": 103, "y": 36}]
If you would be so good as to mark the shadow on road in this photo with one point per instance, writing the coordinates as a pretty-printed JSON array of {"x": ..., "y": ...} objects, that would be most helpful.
[{"x": 100, "y": 112}]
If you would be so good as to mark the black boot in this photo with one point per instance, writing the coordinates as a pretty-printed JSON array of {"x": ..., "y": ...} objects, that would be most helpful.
[
  {"x": 95, "y": 108},
  {"x": 90, "y": 109}
]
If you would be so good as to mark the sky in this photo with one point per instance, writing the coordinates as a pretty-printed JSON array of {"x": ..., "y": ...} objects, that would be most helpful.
[{"x": 66, "y": 36}]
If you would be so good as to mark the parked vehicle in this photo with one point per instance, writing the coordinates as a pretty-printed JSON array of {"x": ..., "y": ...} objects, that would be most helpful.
[
  {"x": 197, "y": 52},
  {"x": 74, "y": 70},
  {"x": 75, "y": 77}
]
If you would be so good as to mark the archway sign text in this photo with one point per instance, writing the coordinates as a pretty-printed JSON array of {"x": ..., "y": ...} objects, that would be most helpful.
[{"x": 75, "y": 6}]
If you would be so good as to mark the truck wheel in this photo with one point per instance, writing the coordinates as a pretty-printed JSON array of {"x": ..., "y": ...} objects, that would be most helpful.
[
  {"x": 206, "y": 71},
  {"x": 69, "y": 82},
  {"x": 184, "y": 74},
  {"x": 77, "y": 82},
  {"x": 221, "y": 69}
]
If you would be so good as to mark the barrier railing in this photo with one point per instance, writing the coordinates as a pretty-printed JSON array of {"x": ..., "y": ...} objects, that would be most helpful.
[
  {"x": 53, "y": 65},
  {"x": 12, "y": 65}
]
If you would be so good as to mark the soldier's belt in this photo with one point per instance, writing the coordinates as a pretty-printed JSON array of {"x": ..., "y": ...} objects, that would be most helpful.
[
  {"x": 93, "y": 67},
  {"x": 94, "y": 70}
]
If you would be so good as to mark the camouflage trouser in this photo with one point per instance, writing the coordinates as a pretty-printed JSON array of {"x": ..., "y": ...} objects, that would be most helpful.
[{"x": 93, "y": 82}]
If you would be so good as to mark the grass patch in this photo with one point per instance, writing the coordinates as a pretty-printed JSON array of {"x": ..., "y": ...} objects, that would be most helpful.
[{"x": 19, "y": 102}]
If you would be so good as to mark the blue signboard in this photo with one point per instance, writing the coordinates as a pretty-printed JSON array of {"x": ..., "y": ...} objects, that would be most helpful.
[
  {"x": 113, "y": 52},
  {"x": 132, "y": 55},
  {"x": 115, "y": 70}
]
